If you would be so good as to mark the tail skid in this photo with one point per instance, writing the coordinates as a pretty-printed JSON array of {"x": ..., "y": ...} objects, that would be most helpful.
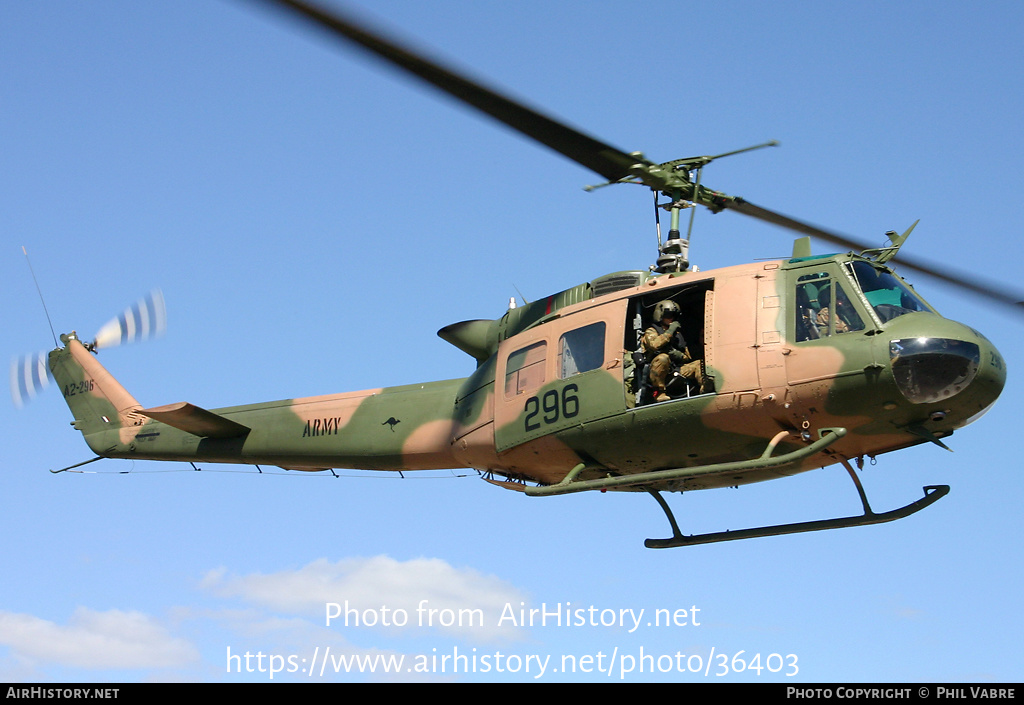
[{"x": 71, "y": 468}]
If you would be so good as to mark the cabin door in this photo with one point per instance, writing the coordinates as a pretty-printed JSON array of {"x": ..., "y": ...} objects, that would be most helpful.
[{"x": 563, "y": 373}]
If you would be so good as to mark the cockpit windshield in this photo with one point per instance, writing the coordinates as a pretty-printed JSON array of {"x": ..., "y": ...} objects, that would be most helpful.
[{"x": 888, "y": 296}]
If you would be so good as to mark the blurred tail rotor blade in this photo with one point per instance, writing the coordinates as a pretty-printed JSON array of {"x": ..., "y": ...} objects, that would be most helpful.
[
  {"x": 29, "y": 376},
  {"x": 145, "y": 319}
]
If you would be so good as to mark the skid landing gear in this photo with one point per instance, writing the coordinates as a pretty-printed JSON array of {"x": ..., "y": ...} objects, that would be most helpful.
[{"x": 932, "y": 493}]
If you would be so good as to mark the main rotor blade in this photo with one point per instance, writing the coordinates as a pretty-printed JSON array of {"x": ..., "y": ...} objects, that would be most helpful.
[
  {"x": 999, "y": 295},
  {"x": 611, "y": 163}
]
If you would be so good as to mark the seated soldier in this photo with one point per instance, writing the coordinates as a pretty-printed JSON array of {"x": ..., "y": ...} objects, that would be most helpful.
[
  {"x": 844, "y": 317},
  {"x": 666, "y": 349}
]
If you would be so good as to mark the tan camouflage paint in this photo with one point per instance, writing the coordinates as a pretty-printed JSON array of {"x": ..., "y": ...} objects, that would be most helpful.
[{"x": 765, "y": 382}]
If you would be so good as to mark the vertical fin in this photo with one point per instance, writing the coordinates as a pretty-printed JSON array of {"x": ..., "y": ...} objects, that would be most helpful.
[{"x": 97, "y": 400}]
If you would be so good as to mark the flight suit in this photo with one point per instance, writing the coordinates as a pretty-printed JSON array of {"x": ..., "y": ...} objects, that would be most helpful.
[{"x": 668, "y": 348}]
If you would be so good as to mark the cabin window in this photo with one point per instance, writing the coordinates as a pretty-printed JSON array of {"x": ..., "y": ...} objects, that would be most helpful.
[
  {"x": 817, "y": 315},
  {"x": 524, "y": 370},
  {"x": 581, "y": 350}
]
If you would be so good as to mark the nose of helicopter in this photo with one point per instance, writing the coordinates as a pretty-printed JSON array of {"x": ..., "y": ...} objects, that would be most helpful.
[{"x": 950, "y": 371}]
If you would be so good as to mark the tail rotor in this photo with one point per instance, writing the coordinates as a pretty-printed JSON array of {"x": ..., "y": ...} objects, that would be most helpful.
[
  {"x": 143, "y": 320},
  {"x": 29, "y": 376}
]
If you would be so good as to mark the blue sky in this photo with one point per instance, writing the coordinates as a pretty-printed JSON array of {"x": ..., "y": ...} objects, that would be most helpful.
[{"x": 313, "y": 219}]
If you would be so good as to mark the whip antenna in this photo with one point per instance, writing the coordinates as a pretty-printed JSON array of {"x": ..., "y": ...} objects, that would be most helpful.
[{"x": 41, "y": 300}]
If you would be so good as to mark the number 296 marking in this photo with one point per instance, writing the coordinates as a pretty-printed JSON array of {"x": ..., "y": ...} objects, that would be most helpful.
[{"x": 552, "y": 406}]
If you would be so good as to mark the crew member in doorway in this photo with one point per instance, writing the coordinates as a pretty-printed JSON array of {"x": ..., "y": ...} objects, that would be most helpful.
[{"x": 666, "y": 348}]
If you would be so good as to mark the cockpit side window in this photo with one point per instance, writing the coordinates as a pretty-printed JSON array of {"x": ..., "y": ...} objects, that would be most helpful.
[
  {"x": 888, "y": 296},
  {"x": 823, "y": 308}
]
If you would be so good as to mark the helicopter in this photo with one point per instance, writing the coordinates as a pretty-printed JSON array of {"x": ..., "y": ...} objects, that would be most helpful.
[{"x": 560, "y": 399}]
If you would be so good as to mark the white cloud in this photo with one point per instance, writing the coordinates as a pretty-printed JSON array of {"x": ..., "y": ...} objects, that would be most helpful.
[
  {"x": 431, "y": 592},
  {"x": 112, "y": 639}
]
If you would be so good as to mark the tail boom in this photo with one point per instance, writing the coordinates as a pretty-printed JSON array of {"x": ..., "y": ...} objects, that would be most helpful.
[{"x": 397, "y": 428}]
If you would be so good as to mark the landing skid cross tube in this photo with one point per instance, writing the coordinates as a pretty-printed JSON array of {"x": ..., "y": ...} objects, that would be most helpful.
[{"x": 932, "y": 493}]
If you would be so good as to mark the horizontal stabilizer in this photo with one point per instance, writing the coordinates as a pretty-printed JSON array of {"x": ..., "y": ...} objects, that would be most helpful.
[{"x": 199, "y": 422}]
